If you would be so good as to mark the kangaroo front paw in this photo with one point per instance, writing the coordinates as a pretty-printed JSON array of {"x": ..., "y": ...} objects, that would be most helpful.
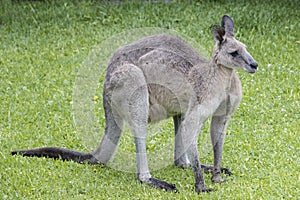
[
  {"x": 209, "y": 169},
  {"x": 200, "y": 189},
  {"x": 160, "y": 184},
  {"x": 216, "y": 178}
]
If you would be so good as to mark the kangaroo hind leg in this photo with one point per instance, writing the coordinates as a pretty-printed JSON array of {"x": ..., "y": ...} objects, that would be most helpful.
[{"x": 130, "y": 98}]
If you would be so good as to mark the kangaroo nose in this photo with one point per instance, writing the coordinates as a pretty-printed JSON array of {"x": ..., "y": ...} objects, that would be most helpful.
[{"x": 254, "y": 65}]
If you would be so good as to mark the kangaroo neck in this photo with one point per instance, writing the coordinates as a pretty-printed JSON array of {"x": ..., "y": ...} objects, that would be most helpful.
[
  {"x": 221, "y": 73},
  {"x": 221, "y": 78}
]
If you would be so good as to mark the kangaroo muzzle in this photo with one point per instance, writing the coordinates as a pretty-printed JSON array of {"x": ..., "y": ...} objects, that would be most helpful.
[{"x": 254, "y": 66}]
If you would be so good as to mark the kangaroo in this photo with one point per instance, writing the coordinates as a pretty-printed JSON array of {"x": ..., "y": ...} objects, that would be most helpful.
[{"x": 161, "y": 76}]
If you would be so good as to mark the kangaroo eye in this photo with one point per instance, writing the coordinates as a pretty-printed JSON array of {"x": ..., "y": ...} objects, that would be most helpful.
[{"x": 234, "y": 54}]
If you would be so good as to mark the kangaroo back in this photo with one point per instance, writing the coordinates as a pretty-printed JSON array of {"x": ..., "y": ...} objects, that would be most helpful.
[{"x": 133, "y": 52}]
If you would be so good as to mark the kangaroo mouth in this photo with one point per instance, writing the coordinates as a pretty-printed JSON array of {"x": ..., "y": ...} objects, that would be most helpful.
[{"x": 252, "y": 68}]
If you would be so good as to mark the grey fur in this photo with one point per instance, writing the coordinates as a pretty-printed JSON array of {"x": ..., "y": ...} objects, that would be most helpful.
[{"x": 161, "y": 76}]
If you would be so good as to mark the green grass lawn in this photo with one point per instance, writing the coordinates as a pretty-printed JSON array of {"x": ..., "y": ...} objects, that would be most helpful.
[{"x": 46, "y": 44}]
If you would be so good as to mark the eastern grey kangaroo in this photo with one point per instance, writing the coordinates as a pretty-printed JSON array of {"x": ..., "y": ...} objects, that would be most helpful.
[{"x": 161, "y": 76}]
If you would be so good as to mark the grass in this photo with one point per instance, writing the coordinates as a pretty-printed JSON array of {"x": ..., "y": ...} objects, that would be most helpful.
[{"x": 45, "y": 44}]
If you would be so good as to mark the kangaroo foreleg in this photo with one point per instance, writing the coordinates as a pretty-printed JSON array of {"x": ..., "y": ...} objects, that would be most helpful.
[
  {"x": 199, "y": 179},
  {"x": 190, "y": 127},
  {"x": 217, "y": 131}
]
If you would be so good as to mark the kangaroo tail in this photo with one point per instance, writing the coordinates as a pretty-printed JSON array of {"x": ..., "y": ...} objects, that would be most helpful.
[{"x": 57, "y": 153}]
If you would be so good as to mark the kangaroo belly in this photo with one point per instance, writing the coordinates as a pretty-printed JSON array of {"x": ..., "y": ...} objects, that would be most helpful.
[{"x": 166, "y": 101}]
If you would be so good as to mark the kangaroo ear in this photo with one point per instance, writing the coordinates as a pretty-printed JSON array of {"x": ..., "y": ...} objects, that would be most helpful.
[
  {"x": 218, "y": 33},
  {"x": 228, "y": 25}
]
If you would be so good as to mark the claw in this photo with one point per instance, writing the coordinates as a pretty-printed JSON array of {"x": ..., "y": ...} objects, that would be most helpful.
[
  {"x": 209, "y": 169},
  {"x": 200, "y": 190},
  {"x": 226, "y": 171}
]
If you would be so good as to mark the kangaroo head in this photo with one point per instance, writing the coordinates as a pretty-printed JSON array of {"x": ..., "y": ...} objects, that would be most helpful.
[{"x": 230, "y": 52}]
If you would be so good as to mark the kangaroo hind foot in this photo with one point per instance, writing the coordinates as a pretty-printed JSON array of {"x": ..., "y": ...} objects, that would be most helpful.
[{"x": 159, "y": 184}]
